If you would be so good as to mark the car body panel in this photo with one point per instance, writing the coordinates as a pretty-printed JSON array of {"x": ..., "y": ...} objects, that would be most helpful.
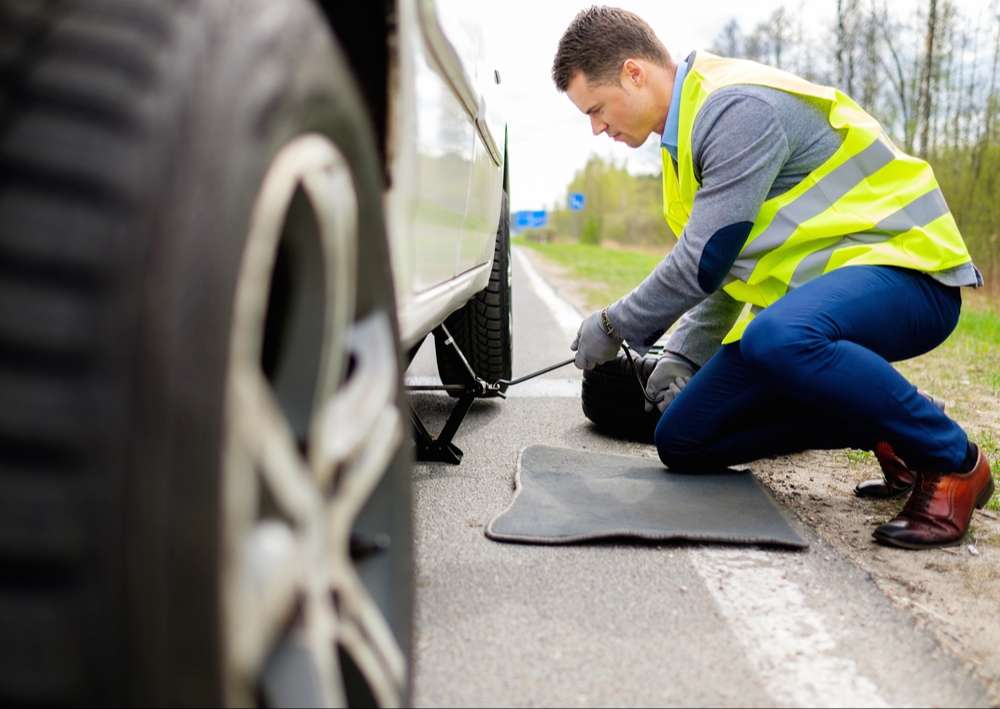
[{"x": 445, "y": 165}]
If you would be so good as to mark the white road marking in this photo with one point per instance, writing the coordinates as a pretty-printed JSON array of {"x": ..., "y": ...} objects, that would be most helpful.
[
  {"x": 565, "y": 314},
  {"x": 786, "y": 640}
]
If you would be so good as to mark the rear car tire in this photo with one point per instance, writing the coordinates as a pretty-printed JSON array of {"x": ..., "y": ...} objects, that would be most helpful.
[
  {"x": 204, "y": 467},
  {"x": 613, "y": 400},
  {"x": 484, "y": 327}
]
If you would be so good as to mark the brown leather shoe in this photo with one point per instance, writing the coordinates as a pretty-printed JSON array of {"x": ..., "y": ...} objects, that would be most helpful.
[
  {"x": 897, "y": 479},
  {"x": 940, "y": 509}
]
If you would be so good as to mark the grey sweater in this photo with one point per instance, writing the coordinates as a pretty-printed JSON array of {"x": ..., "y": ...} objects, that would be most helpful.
[{"x": 749, "y": 144}]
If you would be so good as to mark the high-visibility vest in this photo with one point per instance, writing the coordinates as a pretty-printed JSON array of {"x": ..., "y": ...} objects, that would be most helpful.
[{"x": 868, "y": 204}]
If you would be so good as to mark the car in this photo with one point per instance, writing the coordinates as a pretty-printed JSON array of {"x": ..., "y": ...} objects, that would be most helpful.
[{"x": 224, "y": 227}]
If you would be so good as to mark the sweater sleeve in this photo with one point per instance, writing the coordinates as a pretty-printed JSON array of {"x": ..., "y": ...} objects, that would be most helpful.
[
  {"x": 700, "y": 331},
  {"x": 739, "y": 146}
]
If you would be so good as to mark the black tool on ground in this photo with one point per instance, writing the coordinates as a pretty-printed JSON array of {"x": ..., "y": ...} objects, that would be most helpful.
[
  {"x": 441, "y": 449},
  {"x": 610, "y": 400}
]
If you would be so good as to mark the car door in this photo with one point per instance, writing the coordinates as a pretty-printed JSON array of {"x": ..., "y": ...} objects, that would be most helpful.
[
  {"x": 456, "y": 33},
  {"x": 445, "y": 149}
]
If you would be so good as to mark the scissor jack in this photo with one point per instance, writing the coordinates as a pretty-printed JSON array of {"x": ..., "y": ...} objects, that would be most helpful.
[{"x": 441, "y": 449}]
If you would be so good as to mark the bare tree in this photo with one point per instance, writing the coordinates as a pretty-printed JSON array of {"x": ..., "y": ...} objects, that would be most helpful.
[
  {"x": 990, "y": 109},
  {"x": 848, "y": 12},
  {"x": 871, "y": 82},
  {"x": 925, "y": 99},
  {"x": 755, "y": 44},
  {"x": 896, "y": 74},
  {"x": 942, "y": 84},
  {"x": 960, "y": 93},
  {"x": 777, "y": 27},
  {"x": 729, "y": 42}
]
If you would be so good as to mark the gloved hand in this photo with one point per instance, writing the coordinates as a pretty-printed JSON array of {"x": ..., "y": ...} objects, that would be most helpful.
[
  {"x": 669, "y": 377},
  {"x": 593, "y": 343}
]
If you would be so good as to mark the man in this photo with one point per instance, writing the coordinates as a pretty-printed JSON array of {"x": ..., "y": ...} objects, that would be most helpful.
[{"x": 809, "y": 246}]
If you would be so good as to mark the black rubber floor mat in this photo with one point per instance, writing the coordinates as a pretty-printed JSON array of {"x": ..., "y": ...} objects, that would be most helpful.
[{"x": 563, "y": 496}]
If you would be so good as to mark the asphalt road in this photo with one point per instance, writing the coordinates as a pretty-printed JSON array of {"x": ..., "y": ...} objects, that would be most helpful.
[{"x": 632, "y": 624}]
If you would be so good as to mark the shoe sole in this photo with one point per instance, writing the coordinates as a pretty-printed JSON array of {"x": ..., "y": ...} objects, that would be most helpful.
[
  {"x": 888, "y": 496},
  {"x": 886, "y": 541}
]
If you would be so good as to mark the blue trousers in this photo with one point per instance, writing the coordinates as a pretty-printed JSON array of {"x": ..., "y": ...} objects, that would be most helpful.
[{"x": 812, "y": 372}]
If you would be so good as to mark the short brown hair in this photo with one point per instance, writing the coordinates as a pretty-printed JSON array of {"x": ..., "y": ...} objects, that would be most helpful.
[{"x": 599, "y": 40}]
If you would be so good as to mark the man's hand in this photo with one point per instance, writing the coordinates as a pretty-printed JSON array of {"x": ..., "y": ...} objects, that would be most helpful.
[
  {"x": 669, "y": 377},
  {"x": 596, "y": 341}
]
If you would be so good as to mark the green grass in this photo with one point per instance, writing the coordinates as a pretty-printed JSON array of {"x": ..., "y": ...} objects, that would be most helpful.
[
  {"x": 859, "y": 457},
  {"x": 990, "y": 447},
  {"x": 976, "y": 343},
  {"x": 604, "y": 274},
  {"x": 979, "y": 325}
]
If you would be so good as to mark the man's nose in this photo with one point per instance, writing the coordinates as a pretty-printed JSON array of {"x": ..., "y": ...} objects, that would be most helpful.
[{"x": 597, "y": 125}]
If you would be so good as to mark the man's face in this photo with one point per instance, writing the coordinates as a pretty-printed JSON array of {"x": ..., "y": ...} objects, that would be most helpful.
[{"x": 620, "y": 109}]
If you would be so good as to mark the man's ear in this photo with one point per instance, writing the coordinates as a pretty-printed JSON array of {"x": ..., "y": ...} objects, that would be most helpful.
[{"x": 633, "y": 73}]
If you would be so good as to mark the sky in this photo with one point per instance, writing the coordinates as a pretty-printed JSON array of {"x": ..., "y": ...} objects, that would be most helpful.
[{"x": 549, "y": 138}]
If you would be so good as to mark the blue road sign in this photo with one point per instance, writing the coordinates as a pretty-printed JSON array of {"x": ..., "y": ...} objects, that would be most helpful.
[
  {"x": 576, "y": 201},
  {"x": 528, "y": 219}
]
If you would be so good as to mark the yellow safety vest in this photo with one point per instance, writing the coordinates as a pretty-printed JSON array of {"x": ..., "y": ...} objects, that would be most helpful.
[{"x": 869, "y": 204}]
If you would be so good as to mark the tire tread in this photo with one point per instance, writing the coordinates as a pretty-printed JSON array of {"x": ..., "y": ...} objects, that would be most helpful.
[
  {"x": 73, "y": 80},
  {"x": 481, "y": 326}
]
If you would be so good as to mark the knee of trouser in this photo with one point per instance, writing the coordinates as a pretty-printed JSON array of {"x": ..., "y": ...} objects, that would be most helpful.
[
  {"x": 674, "y": 444},
  {"x": 773, "y": 344}
]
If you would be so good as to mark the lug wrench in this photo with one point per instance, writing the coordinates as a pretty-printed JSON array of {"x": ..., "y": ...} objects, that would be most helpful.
[
  {"x": 441, "y": 449},
  {"x": 512, "y": 382}
]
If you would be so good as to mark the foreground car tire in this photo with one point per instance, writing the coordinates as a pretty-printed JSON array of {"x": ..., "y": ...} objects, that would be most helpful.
[
  {"x": 484, "y": 327},
  {"x": 204, "y": 467}
]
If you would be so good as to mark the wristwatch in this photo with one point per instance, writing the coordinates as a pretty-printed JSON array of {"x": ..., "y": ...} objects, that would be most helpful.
[{"x": 609, "y": 329}]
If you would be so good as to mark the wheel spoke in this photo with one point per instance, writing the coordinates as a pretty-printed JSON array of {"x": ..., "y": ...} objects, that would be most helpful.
[
  {"x": 331, "y": 192},
  {"x": 271, "y": 573},
  {"x": 268, "y": 435},
  {"x": 366, "y": 635},
  {"x": 302, "y": 673},
  {"x": 385, "y": 683},
  {"x": 361, "y": 475},
  {"x": 290, "y": 678},
  {"x": 363, "y": 629},
  {"x": 352, "y": 421},
  {"x": 320, "y": 629}
]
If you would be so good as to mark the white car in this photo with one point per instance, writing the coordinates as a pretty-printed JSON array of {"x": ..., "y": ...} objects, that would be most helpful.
[{"x": 223, "y": 224}]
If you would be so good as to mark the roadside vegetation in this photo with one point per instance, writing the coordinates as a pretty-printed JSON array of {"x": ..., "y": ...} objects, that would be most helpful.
[
  {"x": 964, "y": 372},
  {"x": 603, "y": 274}
]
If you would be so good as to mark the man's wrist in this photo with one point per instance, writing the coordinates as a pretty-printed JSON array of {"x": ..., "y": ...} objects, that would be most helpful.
[
  {"x": 682, "y": 358},
  {"x": 608, "y": 328}
]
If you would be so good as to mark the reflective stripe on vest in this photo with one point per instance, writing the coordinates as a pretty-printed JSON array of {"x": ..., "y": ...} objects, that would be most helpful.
[{"x": 868, "y": 204}]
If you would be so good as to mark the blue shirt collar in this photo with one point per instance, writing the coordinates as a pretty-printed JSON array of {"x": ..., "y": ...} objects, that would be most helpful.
[{"x": 670, "y": 130}]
